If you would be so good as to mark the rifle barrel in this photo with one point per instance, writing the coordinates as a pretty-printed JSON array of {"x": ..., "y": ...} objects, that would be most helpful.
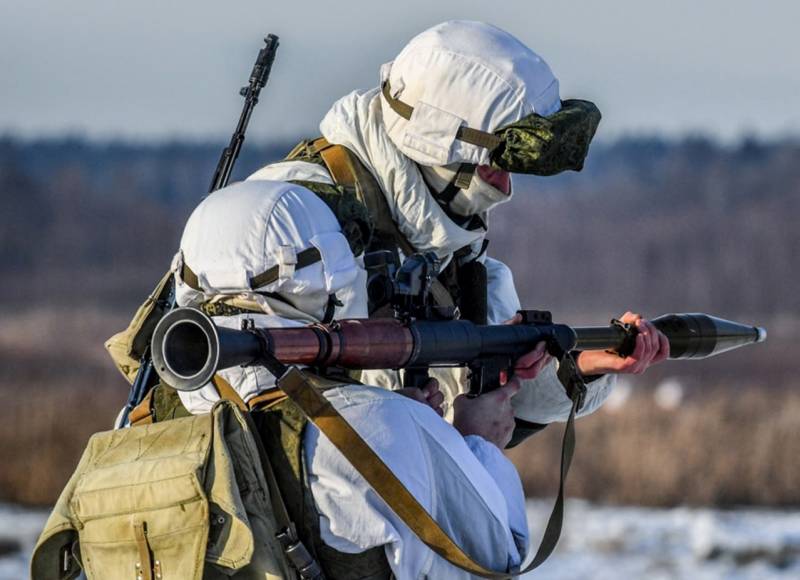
[{"x": 258, "y": 79}]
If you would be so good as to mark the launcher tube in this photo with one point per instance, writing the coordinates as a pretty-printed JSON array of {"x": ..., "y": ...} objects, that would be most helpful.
[{"x": 188, "y": 348}]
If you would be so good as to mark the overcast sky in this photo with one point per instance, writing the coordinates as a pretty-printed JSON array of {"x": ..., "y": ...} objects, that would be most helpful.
[{"x": 152, "y": 69}]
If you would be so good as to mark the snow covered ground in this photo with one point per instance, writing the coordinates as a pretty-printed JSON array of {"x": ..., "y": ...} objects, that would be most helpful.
[
  {"x": 19, "y": 528},
  {"x": 605, "y": 543},
  {"x": 598, "y": 543}
]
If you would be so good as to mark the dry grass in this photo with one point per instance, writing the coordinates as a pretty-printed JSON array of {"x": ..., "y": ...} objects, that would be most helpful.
[
  {"x": 722, "y": 446},
  {"x": 57, "y": 387}
]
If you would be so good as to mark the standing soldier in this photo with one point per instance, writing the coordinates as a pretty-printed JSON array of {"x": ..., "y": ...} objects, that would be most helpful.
[{"x": 430, "y": 153}]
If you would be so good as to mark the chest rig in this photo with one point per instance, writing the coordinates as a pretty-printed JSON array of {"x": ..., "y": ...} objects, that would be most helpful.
[{"x": 361, "y": 208}]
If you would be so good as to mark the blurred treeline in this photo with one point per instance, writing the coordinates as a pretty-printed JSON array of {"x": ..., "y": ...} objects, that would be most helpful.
[{"x": 653, "y": 225}]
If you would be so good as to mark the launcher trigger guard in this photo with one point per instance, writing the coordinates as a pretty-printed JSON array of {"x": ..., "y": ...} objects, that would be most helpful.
[
  {"x": 484, "y": 374},
  {"x": 629, "y": 344}
]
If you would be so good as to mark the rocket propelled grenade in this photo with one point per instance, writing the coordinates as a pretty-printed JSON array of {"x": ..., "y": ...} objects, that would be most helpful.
[
  {"x": 188, "y": 348},
  {"x": 690, "y": 335}
]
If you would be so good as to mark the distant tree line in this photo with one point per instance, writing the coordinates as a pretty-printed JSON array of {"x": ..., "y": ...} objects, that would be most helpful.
[{"x": 650, "y": 223}]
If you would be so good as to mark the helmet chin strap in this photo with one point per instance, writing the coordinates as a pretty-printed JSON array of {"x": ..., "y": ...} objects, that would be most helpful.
[{"x": 461, "y": 181}]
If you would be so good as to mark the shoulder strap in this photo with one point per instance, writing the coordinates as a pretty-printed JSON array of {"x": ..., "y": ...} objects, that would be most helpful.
[
  {"x": 336, "y": 161},
  {"x": 346, "y": 169},
  {"x": 305, "y": 391},
  {"x": 227, "y": 392},
  {"x": 296, "y": 552}
]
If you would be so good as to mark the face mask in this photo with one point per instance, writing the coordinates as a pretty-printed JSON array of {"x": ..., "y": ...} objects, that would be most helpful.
[{"x": 477, "y": 198}]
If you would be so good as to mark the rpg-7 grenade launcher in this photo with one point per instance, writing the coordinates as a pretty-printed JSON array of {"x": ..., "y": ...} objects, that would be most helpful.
[{"x": 188, "y": 348}]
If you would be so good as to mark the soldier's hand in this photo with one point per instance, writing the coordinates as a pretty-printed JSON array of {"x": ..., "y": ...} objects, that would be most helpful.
[
  {"x": 652, "y": 347},
  {"x": 530, "y": 364},
  {"x": 490, "y": 415},
  {"x": 428, "y": 395}
]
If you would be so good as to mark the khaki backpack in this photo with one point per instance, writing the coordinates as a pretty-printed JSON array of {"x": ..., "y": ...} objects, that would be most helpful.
[{"x": 187, "y": 498}]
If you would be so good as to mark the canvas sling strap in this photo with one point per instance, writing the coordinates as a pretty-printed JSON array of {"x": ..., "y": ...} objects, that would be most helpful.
[
  {"x": 306, "y": 392},
  {"x": 142, "y": 414},
  {"x": 347, "y": 170}
]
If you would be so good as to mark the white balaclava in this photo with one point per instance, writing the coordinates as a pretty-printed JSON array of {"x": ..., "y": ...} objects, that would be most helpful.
[
  {"x": 462, "y": 74},
  {"x": 255, "y": 227}
]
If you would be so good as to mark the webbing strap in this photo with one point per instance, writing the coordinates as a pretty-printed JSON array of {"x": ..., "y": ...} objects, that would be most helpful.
[
  {"x": 287, "y": 532},
  {"x": 347, "y": 170},
  {"x": 227, "y": 392},
  {"x": 142, "y": 414},
  {"x": 324, "y": 415},
  {"x": 304, "y": 258},
  {"x": 266, "y": 399},
  {"x": 335, "y": 159},
  {"x": 144, "y": 567},
  {"x": 473, "y": 136}
]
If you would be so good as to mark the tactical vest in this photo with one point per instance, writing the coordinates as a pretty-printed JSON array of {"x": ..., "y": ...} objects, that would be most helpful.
[{"x": 364, "y": 215}]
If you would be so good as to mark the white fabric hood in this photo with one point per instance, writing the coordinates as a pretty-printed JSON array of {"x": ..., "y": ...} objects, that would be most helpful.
[
  {"x": 247, "y": 228},
  {"x": 457, "y": 73},
  {"x": 356, "y": 121},
  {"x": 462, "y": 73}
]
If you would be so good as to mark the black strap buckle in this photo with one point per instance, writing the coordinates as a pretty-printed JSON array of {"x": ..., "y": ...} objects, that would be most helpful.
[
  {"x": 572, "y": 379},
  {"x": 299, "y": 556}
]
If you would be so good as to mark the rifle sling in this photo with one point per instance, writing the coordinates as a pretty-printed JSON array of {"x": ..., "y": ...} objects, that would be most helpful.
[{"x": 301, "y": 389}]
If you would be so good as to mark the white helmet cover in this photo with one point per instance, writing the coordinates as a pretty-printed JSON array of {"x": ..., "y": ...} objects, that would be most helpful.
[
  {"x": 462, "y": 73},
  {"x": 248, "y": 228}
]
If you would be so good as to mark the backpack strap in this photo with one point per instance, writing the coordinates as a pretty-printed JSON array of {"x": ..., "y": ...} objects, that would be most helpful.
[
  {"x": 296, "y": 552},
  {"x": 227, "y": 392}
]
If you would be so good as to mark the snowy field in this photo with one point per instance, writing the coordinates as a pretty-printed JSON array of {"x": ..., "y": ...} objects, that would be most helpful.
[
  {"x": 19, "y": 529},
  {"x": 598, "y": 543},
  {"x": 613, "y": 543}
]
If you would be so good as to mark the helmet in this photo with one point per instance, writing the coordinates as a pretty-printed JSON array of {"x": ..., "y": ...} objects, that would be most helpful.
[
  {"x": 264, "y": 237},
  {"x": 462, "y": 81}
]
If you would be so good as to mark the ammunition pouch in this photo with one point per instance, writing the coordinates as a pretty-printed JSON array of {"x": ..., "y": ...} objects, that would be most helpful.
[
  {"x": 186, "y": 498},
  {"x": 127, "y": 347}
]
